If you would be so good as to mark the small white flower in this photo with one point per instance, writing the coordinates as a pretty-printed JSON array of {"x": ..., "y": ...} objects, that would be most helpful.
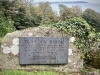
[
  {"x": 69, "y": 51},
  {"x": 6, "y": 50},
  {"x": 72, "y": 39},
  {"x": 30, "y": 34}
]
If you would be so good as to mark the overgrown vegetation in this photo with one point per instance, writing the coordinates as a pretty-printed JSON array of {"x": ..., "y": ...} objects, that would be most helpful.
[{"x": 86, "y": 37}]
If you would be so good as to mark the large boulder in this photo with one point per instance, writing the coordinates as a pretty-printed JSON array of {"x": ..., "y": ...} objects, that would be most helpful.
[{"x": 9, "y": 51}]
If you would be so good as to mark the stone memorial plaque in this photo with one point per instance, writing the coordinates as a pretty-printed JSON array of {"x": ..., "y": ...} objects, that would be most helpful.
[{"x": 43, "y": 50}]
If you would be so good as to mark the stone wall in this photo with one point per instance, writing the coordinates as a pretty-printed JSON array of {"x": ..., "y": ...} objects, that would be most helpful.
[{"x": 9, "y": 51}]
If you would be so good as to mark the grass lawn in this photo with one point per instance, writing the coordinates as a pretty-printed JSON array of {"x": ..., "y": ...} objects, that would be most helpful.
[{"x": 23, "y": 72}]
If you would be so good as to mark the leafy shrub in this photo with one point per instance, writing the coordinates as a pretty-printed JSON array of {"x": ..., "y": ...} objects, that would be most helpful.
[
  {"x": 6, "y": 26},
  {"x": 93, "y": 18},
  {"x": 86, "y": 36}
]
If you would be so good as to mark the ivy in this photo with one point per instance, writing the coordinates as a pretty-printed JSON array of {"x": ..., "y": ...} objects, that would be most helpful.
[{"x": 86, "y": 36}]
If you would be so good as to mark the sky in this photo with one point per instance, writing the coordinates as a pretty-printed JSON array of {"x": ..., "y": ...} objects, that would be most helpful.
[
  {"x": 92, "y": 4},
  {"x": 90, "y": 1}
]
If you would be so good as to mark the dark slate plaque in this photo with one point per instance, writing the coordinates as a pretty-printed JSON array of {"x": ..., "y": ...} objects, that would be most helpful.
[{"x": 43, "y": 50}]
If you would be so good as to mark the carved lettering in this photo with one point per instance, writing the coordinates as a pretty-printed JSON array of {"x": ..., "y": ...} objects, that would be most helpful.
[{"x": 45, "y": 50}]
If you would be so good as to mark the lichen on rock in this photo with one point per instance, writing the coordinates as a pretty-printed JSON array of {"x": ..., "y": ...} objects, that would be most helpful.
[
  {"x": 69, "y": 51},
  {"x": 14, "y": 49},
  {"x": 6, "y": 50},
  {"x": 15, "y": 41}
]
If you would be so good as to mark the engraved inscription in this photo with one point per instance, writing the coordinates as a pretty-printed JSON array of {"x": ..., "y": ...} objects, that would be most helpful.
[{"x": 43, "y": 50}]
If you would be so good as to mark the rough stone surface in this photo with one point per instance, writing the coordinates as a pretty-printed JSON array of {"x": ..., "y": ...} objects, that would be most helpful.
[
  {"x": 9, "y": 51},
  {"x": 96, "y": 72}
]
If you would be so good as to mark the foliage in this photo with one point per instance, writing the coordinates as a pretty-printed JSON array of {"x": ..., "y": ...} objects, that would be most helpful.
[
  {"x": 83, "y": 71},
  {"x": 22, "y": 72},
  {"x": 95, "y": 59},
  {"x": 0, "y": 41},
  {"x": 86, "y": 38},
  {"x": 19, "y": 13},
  {"x": 7, "y": 7},
  {"x": 21, "y": 20},
  {"x": 95, "y": 55},
  {"x": 93, "y": 18},
  {"x": 6, "y": 26},
  {"x": 25, "y": 15},
  {"x": 67, "y": 12},
  {"x": 32, "y": 14},
  {"x": 46, "y": 13},
  {"x": 77, "y": 10}
]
